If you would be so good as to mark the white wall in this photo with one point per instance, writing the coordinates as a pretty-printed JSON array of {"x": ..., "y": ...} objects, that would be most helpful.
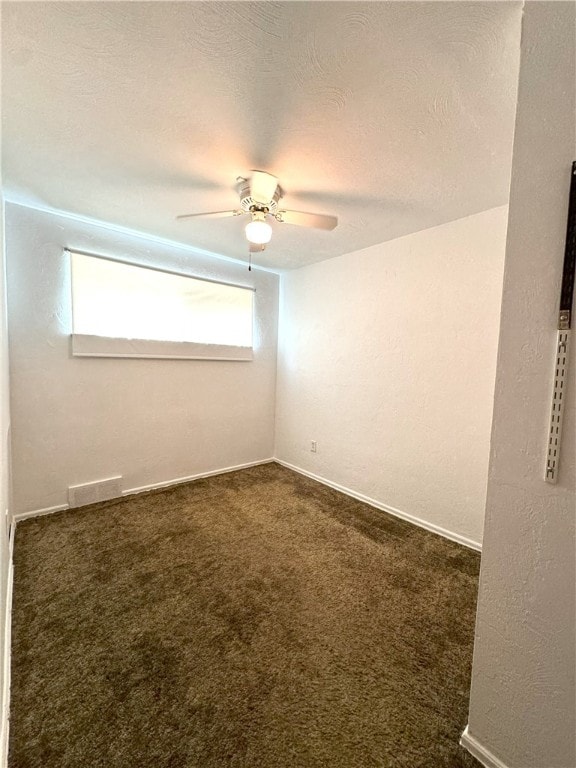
[
  {"x": 75, "y": 420},
  {"x": 523, "y": 698},
  {"x": 387, "y": 360},
  {"x": 5, "y": 566}
]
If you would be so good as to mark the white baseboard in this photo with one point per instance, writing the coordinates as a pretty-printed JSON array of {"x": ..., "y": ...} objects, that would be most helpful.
[
  {"x": 190, "y": 478},
  {"x": 19, "y": 516},
  {"x": 470, "y": 543},
  {"x": 481, "y": 754},
  {"x": 5, "y": 704}
]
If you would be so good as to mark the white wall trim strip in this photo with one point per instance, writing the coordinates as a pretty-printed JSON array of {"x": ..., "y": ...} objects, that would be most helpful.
[
  {"x": 6, "y": 661},
  {"x": 470, "y": 543},
  {"x": 85, "y": 345},
  {"x": 190, "y": 478},
  {"x": 481, "y": 754},
  {"x": 20, "y": 516}
]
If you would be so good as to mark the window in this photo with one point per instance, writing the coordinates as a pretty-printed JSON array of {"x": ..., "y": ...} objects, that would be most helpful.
[{"x": 123, "y": 310}]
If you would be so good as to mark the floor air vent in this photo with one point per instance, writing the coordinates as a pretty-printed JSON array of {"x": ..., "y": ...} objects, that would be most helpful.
[{"x": 90, "y": 493}]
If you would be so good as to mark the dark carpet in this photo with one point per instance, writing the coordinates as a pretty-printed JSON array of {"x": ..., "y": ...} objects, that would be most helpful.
[{"x": 252, "y": 620}]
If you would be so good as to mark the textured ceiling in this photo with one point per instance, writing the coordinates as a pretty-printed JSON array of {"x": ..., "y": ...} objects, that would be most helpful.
[{"x": 393, "y": 116}]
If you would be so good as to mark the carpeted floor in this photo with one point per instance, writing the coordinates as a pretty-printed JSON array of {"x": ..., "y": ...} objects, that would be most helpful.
[{"x": 252, "y": 620}]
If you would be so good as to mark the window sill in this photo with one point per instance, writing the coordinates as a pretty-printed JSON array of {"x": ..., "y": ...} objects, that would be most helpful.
[{"x": 104, "y": 346}]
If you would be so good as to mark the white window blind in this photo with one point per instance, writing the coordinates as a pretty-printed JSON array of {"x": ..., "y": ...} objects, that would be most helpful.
[{"x": 115, "y": 300}]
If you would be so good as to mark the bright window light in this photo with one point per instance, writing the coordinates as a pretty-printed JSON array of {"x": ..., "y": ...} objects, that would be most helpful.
[{"x": 117, "y": 300}]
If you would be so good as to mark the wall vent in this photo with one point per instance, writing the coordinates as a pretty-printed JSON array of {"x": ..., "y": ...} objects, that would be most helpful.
[{"x": 90, "y": 493}]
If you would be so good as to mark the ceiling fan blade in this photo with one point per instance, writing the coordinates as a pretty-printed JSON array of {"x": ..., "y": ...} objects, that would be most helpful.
[
  {"x": 256, "y": 247},
  {"x": 262, "y": 187},
  {"x": 302, "y": 219},
  {"x": 210, "y": 215}
]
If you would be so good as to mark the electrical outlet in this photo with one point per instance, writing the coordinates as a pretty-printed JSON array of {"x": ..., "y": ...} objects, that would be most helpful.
[{"x": 313, "y": 446}]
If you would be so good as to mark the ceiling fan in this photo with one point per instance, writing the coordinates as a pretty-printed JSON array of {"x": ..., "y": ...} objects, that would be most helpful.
[{"x": 259, "y": 198}]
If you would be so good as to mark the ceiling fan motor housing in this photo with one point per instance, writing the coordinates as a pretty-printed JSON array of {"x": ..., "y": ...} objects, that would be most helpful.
[{"x": 248, "y": 204}]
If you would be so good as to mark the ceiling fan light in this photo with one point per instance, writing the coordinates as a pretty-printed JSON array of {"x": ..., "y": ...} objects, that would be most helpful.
[{"x": 258, "y": 231}]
